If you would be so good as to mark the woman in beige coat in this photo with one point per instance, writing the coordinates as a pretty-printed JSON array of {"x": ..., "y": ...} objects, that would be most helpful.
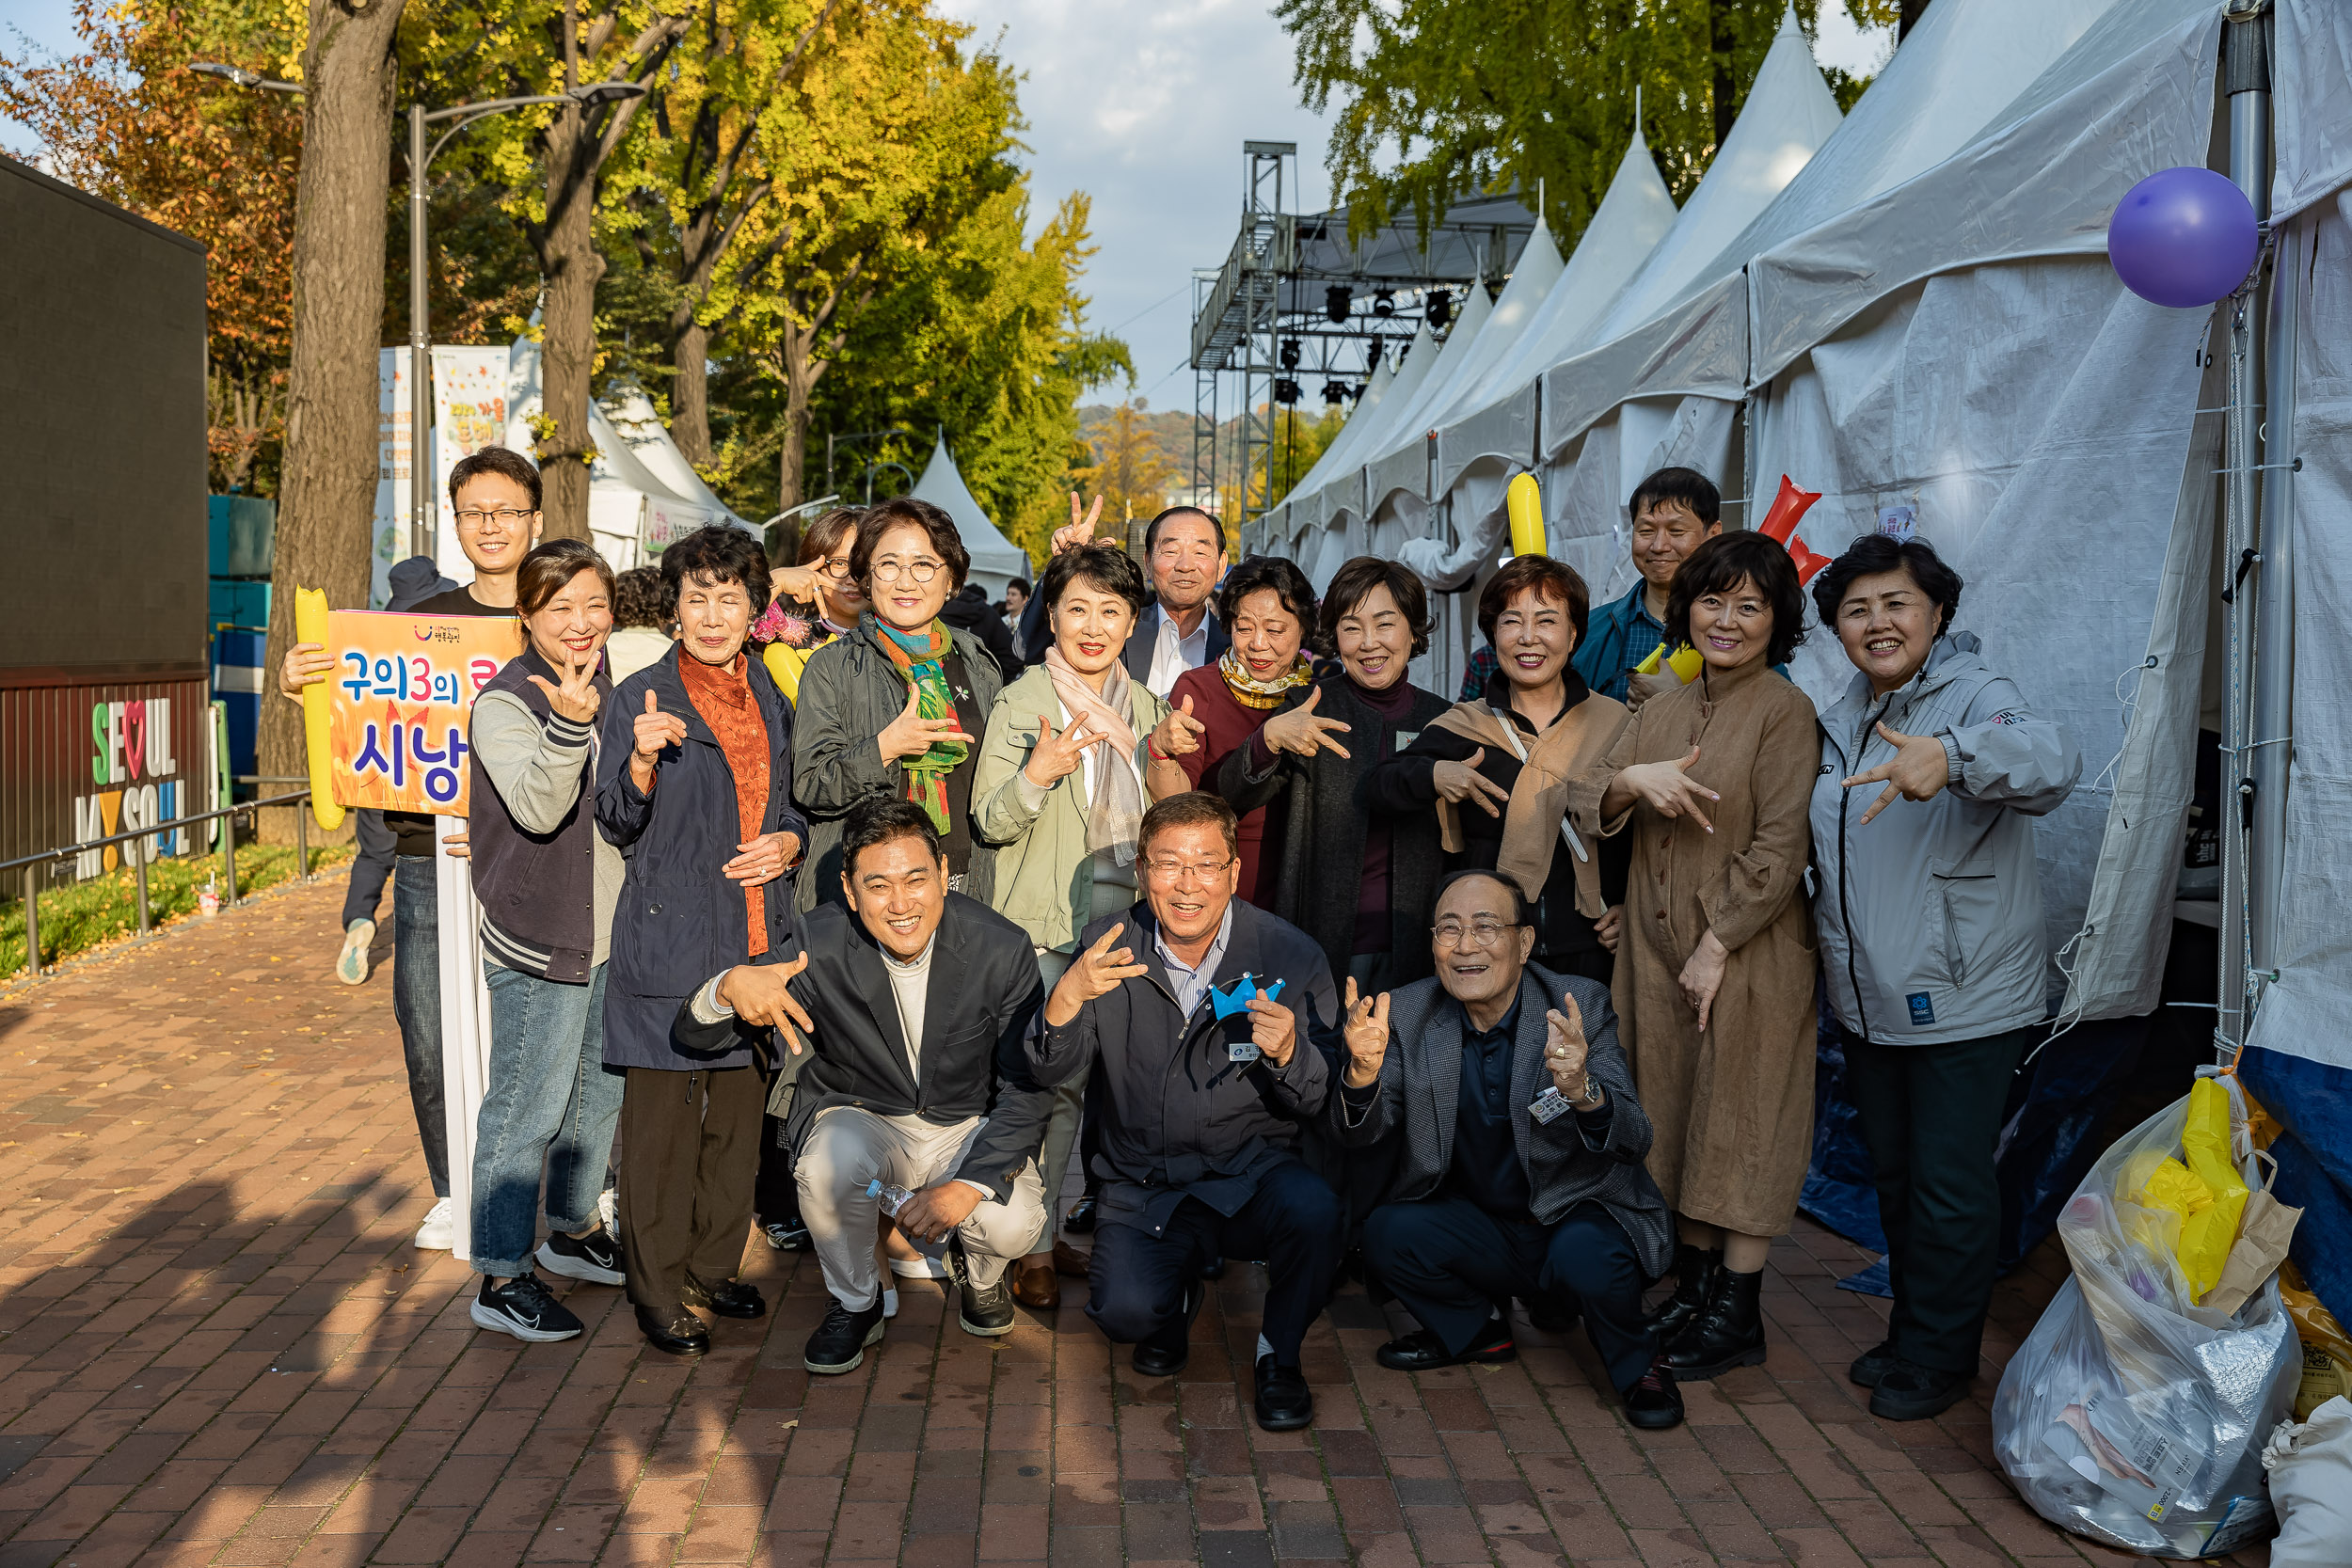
[{"x": 1714, "y": 978}]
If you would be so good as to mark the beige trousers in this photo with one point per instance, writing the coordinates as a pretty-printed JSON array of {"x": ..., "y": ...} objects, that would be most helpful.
[{"x": 849, "y": 1146}]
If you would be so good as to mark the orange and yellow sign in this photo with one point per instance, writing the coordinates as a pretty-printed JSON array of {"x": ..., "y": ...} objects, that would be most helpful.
[{"x": 401, "y": 697}]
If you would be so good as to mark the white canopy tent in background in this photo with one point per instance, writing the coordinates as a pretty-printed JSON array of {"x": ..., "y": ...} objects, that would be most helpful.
[{"x": 995, "y": 560}]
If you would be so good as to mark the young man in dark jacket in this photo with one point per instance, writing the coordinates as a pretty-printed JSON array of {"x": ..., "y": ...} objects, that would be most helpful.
[
  {"x": 1203, "y": 1103},
  {"x": 916, "y": 1002},
  {"x": 1503, "y": 1189}
]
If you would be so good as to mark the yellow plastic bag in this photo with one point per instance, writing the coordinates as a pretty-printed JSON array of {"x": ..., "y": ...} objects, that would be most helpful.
[{"x": 2209, "y": 1232}]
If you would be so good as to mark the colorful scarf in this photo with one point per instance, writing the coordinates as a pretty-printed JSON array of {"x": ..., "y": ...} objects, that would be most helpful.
[
  {"x": 1251, "y": 692},
  {"x": 1115, "y": 815},
  {"x": 918, "y": 658},
  {"x": 722, "y": 695}
]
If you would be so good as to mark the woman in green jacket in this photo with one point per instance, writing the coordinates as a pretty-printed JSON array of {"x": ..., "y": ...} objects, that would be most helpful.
[{"x": 1075, "y": 751}]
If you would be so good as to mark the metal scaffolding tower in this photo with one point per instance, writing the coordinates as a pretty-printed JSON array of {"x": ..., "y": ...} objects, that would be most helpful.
[{"x": 1300, "y": 306}]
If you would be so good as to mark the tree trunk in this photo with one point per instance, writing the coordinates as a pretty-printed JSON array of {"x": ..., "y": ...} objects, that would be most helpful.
[
  {"x": 801, "y": 371},
  {"x": 690, "y": 392},
  {"x": 1722, "y": 39},
  {"x": 1907, "y": 17},
  {"x": 568, "y": 345},
  {"x": 327, "y": 502}
]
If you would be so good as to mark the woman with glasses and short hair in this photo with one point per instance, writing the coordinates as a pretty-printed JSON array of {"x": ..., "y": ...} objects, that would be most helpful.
[
  {"x": 898, "y": 705},
  {"x": 816, "y": 600}
]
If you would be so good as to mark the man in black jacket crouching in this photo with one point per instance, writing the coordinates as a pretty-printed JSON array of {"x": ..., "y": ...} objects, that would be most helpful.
[
  {"x": 916, "y": 1001},
  {"x": 1202, "y": 1104}
]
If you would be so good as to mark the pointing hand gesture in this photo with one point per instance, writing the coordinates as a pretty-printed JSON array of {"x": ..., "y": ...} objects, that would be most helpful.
[
  {"x": 1179, "y": 733},
  {"x": 1054, "y": 757},
  {"x": 656, "y": 730},
  {"x": 1300, "y": 733},
  {"x": 1462, "y": 781},
  {"x": 1367, "y": 1036},
  {"x": 911, "y": 734},
  {"x": 578, "y": 697},
  {"x": 1920, "y": 768},
  {"x": 1097, "y": 972},
  {"x": 1668, "y": 787},
  {"x": 1080, "y": 531}
]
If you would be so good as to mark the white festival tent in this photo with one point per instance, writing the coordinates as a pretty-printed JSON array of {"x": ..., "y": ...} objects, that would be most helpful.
[{"x": 995, "y": 560}]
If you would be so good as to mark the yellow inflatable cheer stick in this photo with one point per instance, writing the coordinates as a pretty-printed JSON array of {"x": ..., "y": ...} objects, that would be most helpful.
[
  {"x": 1525, "y": 503},
  {"x": 317, "y": 713},
  {"x": 1685, "y": 663}
]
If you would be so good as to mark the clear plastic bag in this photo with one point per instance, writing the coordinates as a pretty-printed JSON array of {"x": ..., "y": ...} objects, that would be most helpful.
[{"x": 2131, "y": 1414}]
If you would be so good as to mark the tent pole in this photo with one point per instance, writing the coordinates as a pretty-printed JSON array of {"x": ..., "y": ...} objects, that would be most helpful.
[
  {"x": 2274, "y": 608},
  {"x": 2246, "y": 77}
]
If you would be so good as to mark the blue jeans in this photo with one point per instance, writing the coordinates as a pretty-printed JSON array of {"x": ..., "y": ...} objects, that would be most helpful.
[
  {"x": 551, "y": 1106},
  {"x": 417, "y": 1006}
]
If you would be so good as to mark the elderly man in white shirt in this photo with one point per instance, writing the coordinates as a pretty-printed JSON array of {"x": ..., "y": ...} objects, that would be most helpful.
[{"x": 1185, "y": 552}]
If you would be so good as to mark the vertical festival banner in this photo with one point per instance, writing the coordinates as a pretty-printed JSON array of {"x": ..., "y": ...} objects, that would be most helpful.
[
  {"x": 403, "y": 694},
  {"x": 469, "y": 413},
  {"x": 389, "y": 532}
]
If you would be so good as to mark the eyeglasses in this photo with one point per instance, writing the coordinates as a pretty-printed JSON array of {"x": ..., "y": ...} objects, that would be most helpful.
[
  {"x": 913, "y": 571},
  {"x": 835, "y": 568},
  {"x": 1176, "y": 870},
  {"x": 1481, "y": 933},
  {"x": 505, "y": 516}
]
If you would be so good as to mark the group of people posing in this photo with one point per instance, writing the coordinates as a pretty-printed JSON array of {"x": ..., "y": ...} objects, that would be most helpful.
[{"x": 849, "y": 919}]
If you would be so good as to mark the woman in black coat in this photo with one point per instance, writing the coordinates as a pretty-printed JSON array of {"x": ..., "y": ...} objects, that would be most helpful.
[
  {"x": 694, "y": 782},
  {"x": 1358, "y": 881}
]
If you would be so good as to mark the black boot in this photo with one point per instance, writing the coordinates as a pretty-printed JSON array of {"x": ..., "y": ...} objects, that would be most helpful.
[
  {"x": 1695, "y": 1269},
  {"x": 1729, "y": 1331}
]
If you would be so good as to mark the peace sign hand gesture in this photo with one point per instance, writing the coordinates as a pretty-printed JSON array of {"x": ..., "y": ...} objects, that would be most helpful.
[
  {"x": 1919, "y": 770},
  {"x": 1366, "y": 1033},
  {"x": 1080, "y": 531},
  {"x": 578, "y": 697},
  {"x": 1300, "y": 733},
  {"x": 1668, "y": 787},
  {"x": 1054, "y": 757},
  {"x": 1098, "y": 972}
]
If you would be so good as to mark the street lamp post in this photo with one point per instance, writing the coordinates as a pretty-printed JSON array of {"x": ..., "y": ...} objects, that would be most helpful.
[{"x": 588, "y": 96}]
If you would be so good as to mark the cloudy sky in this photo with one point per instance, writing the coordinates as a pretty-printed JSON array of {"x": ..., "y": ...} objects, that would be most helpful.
[{"x": 1144, "y": 106}]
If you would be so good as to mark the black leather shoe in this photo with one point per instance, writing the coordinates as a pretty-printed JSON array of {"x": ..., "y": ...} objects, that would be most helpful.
[
  {"x": 680, "y": 1333},
  {"x": 1284, "y": 1402},
  {"x": 1549, "y": 1314},
  {"x": 729, "y": 1298},
  {"x": 839, "y": 1343},
  {"x": 1167, "y": 1352},
  {"x": 1872, "y": 1365},
  {"x": 1695, "y": 1269},
  {"x": 1910, "y": 1392},
  {"x": 1654, "y": 1403},
  {"x": 982, "y": 1309},
  {"x": 1421, "y": 1351},
  {"x": 1729, "y": 1331},
  {"x": 1080, "y": 1220}
]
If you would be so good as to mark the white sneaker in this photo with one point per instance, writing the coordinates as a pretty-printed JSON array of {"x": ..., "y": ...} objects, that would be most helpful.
[
  {"x": 438, "y": 1232},
  {"x": 890, "y": 1303},
  {"x": 351, "y": 965}
]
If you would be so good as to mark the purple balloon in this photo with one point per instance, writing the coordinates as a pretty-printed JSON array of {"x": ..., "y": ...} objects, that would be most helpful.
[{"x": 2184, "y": 237}]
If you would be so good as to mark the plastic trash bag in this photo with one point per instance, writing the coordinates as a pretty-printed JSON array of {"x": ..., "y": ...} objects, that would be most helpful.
[
  {"x": 2131, "y": 1414},
  {"x": 2311, "y": 1483}
]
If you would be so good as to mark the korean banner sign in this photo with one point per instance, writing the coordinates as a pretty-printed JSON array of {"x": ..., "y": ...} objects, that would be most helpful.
[{"x": 404, "y": 692}]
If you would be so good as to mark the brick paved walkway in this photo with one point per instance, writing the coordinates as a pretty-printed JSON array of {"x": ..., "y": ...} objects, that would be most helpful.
[{"x": 217, "y": 1346}]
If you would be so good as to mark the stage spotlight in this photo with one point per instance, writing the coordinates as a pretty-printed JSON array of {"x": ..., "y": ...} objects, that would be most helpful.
[
  {"x": 1337, "y": 299},
  {"x": 1438, "y": 307},
  {"x": 1290, "y": 354},
  {"x": 1286, "y": 391},
  {"x": 1335, "y": 393},
  {"x": 1372, "y": 355},
  {"x": 1384, "y": 302}
]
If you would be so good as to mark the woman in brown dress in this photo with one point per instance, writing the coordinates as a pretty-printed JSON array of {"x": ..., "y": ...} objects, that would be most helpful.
[{"x": 1715, "y": 981}]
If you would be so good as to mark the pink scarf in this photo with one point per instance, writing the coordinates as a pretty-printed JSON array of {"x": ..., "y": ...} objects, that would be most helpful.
[{"x": 1115, "y": 815}]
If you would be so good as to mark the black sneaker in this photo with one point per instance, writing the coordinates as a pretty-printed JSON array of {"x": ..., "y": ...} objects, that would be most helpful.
[
  {"x": 982, "y": 1309},
  {"x": 522, "y": 1307},
  {"x": 1654, "y": 1403},
  {"x": 839, "y": 1343},
  {"x": 1872, "y": 1365},
  {"x": 595, "y": 1257},
  {"x": 1421, "y": 1351},
  {"x": 787, "y": 1234},
  {"x": 1910, "y": 1392}
]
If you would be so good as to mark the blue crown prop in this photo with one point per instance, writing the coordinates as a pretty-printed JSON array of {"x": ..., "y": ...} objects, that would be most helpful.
[{"x": 1235, "y": 997}]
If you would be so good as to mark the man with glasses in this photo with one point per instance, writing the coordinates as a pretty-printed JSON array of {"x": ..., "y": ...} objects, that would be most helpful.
[
  {"x": 1521, "y": 1170},
  {"x": 1208, "y": 1027},
  {"x": 495, "y": 494},
  {"x": 1183, "y": 550}
]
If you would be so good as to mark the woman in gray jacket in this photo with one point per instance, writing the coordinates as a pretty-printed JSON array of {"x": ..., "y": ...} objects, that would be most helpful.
[{"x": 1928, "y": 908}]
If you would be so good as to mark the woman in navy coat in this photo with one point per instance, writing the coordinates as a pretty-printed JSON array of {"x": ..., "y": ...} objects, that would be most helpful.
[{"x": 694, "y": 783}]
